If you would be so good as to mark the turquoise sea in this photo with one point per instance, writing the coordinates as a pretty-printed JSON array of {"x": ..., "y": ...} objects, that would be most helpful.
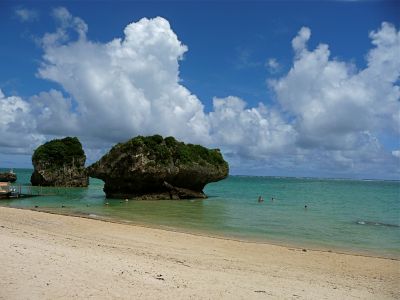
[{"x": 361, "y": 216}]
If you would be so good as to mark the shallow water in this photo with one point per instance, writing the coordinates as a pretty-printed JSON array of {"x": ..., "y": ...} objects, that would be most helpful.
[{"x": 341, "y": 215}]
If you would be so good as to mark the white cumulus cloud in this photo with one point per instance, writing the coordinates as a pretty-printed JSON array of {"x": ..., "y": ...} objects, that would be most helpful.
[
  {"x": 127, "y": 86},
  {"x": 54, "y": 114},
  {"x": 333, "y": 105},
  {"x": 256, "y": 132},
  {"x": 300, "y": 41},
  {"x": 18, "y": 132}
]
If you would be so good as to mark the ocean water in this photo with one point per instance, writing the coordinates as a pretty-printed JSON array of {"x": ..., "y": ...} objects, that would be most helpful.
[{"x": 341, "y": 215}]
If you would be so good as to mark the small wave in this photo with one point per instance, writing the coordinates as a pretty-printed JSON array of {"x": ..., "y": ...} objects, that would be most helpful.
[
  {"x": 93, "y": 215},
  {"x": 376, "y": 224}
]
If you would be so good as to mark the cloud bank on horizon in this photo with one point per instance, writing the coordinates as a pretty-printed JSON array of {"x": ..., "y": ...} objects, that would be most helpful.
[{"x": 327, "y": 115}]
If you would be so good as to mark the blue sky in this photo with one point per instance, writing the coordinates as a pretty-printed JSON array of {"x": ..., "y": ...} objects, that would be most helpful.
[{"x": 230, "y": 78}]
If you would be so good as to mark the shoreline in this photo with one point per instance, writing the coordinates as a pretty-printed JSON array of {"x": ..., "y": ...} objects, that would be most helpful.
[
  {"x": 49, "y": 256},
  {"x": 297, "y": 246}
]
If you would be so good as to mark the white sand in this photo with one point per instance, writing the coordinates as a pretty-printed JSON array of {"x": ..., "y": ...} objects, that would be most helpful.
[{"x": 45, "y": 256}]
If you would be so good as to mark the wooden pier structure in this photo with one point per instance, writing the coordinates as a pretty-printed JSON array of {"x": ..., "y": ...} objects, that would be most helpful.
[{"x": 12, "y": 191}]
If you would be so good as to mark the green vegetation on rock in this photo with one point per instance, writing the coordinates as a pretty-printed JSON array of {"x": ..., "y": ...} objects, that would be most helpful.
[
  {"x": 163, "y": 150},
  {"x": 59, "y": 152}
]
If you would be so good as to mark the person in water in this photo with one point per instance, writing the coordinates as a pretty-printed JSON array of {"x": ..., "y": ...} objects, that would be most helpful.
[{"x": 260, "y": 199}]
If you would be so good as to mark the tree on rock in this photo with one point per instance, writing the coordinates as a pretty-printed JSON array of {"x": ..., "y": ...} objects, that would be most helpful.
[{"x": 60, "y": 162}]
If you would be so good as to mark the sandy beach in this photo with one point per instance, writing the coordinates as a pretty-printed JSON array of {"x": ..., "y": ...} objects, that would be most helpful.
[{"x": 46, "y": 256}]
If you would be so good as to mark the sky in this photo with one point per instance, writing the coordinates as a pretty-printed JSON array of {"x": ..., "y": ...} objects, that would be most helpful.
[{"x": 300, "y": 88}]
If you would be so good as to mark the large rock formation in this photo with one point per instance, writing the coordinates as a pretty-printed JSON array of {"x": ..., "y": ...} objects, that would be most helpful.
[
  {"x": 156, "y": 168},
  {"x": 60, "y": 163}
]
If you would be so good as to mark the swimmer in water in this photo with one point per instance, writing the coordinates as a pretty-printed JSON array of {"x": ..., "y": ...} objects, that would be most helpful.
[{"x": 260, "y": 199}]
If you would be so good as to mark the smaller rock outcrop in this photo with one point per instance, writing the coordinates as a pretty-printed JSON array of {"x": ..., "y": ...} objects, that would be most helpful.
[
  {"x": 8, "y": 177},
  {"x": 60, "y": 163},
  {"x": 156, "y": 168}
]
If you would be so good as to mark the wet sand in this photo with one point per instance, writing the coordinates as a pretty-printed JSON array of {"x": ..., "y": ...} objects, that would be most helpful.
[{"x": 47, "y": 256}]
